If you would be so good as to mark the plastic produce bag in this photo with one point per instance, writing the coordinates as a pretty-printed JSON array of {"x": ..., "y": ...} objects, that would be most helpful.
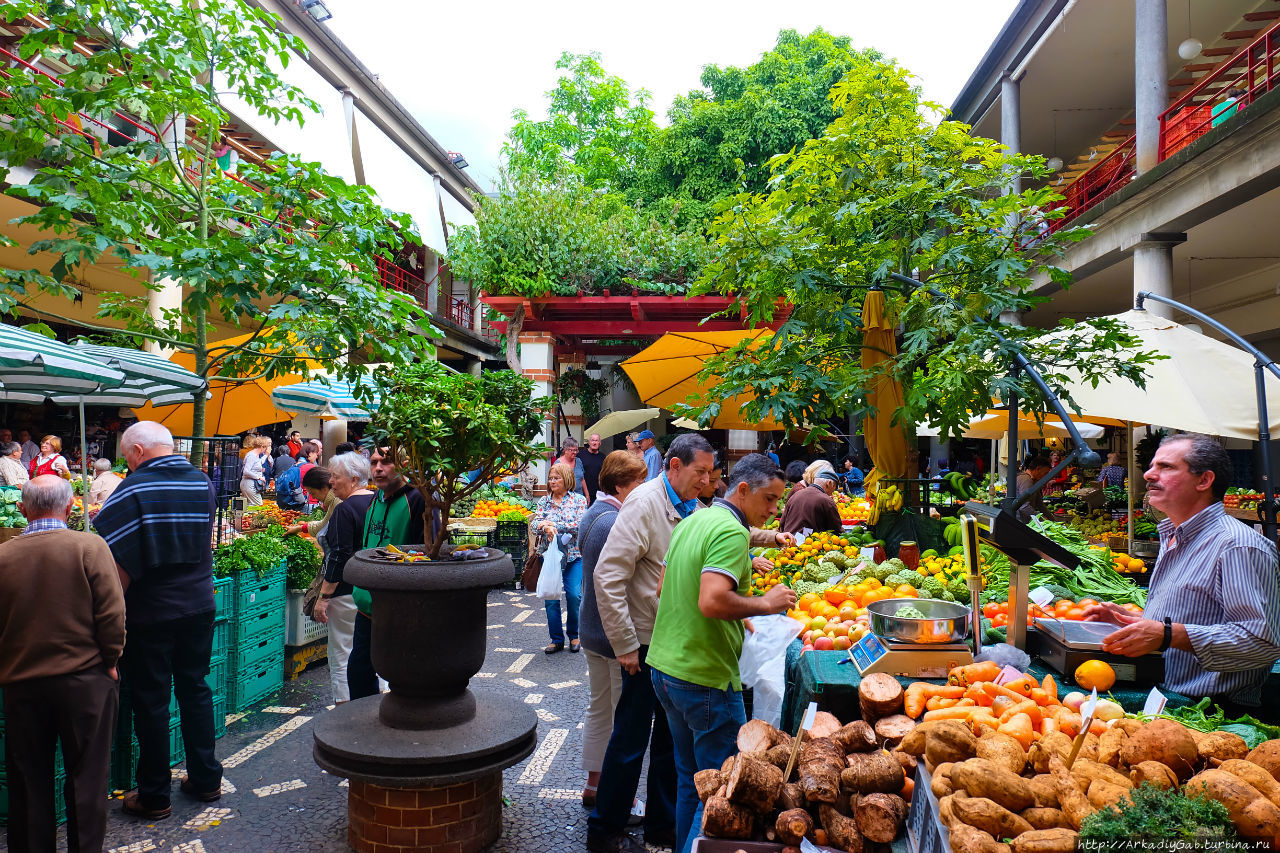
[
  {"x": 763, "y": 664},
  {"x": 550, "y": 581}
]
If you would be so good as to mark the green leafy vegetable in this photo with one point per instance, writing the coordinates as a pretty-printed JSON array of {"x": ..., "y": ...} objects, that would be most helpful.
[
  {"x": 1155, "y": 814},
  {"x": 258, "y": 553}
]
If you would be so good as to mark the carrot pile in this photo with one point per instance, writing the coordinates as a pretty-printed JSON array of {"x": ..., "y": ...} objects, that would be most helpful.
[{"x": 1025, "y": 709}]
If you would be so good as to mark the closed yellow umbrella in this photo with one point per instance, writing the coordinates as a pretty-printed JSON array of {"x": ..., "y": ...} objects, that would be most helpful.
[
  {"x": 886, "y": 442},
  {"x": 666, "y": 373},
  {"x": 232, "y": 407}
]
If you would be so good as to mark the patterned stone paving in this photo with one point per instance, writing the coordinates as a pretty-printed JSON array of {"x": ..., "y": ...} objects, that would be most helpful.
[{"x": 276, "y": 800}]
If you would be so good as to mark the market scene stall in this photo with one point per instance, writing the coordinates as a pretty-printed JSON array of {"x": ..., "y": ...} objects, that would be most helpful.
[{"x": 869, "y": 450}]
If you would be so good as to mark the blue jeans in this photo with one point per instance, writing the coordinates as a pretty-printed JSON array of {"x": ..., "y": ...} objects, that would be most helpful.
[
  {"x": 572, "y": 574},
  {"x": 636, "y": 715},
  {"x": 704, "y": 726}
]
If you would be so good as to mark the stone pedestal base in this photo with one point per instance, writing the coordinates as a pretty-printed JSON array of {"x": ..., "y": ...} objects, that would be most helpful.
[{"x": 464, "y": 817}]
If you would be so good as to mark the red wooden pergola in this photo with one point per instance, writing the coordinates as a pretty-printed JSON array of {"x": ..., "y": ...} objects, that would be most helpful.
[{"x": 579, "y": 323}]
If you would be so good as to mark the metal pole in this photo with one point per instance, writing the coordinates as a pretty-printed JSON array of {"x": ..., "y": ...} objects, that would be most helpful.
[
  {"x": 1128, "y": 522},
  {"x": 1011, "y": 475},
  {"x": 84, "y": 467},
  {"x": 1260, "y": 362}
]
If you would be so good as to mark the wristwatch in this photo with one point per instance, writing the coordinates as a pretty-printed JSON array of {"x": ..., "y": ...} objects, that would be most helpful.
[{"x": 1168, "y": 634}]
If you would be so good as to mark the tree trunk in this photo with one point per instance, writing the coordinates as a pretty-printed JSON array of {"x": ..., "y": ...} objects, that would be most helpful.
[{"x": 513, "y": 338}]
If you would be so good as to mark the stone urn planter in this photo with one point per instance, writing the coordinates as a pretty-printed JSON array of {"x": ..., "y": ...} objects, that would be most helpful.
[{"x": 432, "y": 741}]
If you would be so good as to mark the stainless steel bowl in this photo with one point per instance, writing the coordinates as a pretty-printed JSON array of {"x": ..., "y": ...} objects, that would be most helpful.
[{"x": 944, "y": 622}]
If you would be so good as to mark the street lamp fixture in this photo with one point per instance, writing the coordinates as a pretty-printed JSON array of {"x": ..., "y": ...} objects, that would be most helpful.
[
  {"x": 458, "y": 160},
  {"x": 317, "y": 10}
]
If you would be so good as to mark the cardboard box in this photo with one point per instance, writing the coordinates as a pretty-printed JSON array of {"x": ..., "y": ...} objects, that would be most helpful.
[{"x": 1093, "y": 496}]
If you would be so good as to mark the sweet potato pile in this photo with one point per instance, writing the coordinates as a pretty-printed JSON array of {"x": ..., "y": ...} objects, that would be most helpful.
[
  {"x": 846, "y": 791},
  {"x": 994, "y": 796}
]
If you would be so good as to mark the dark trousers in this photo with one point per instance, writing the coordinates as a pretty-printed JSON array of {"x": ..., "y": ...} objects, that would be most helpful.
[
  {"x": 78, "y": 710},
  {"x": 171, "y": 655},
  {"x": 362, "y": 680},
  {"x": 639, "y": 723}
]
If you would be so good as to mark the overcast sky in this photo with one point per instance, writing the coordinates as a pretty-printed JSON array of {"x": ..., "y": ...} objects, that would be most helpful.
[{"x": 461, "y": 68}]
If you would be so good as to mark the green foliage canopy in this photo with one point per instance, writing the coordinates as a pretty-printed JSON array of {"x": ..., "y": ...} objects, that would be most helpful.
[
  {"x": 887, "y": 190},
  {"x": 441, "y": 425},
  {"x": 282, "y": 249}
]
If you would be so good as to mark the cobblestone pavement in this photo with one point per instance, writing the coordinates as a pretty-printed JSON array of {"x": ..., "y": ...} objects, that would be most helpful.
[{"x": 276, "y": 798}]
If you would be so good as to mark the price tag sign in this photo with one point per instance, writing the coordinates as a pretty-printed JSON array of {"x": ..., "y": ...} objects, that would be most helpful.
[
  {"x": 868, "y": 553},
  {"x": 1090, "y": 704},
  {"x": 810, "y": 714},
  {"x": 1041, "y": 597},
  {"x": 1155, "y": 702}
]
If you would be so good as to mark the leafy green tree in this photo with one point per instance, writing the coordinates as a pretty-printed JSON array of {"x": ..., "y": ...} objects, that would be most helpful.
[
  {"x": 594, "y": 123},
  {"x": 280, "y": 249},
  {"x": 721, "y": 137},
  {"x": 441, "y": 425},
  {"x": 887, "y": 189}
]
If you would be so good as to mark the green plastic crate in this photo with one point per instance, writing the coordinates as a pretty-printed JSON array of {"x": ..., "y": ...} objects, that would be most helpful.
[
  {"x": 223, "y": 593},
  {"x": 265, "y": 649},
  {"x": 219, "y": 715},
  {"x": 268, "y": 592},
  {"x": 255, "y": 684},
  {"x": 177, "y": 752},
  {"x": 59, "y": 802},
  {"x": 248, "y": 629},
  {"x": 221, "y": 638}
]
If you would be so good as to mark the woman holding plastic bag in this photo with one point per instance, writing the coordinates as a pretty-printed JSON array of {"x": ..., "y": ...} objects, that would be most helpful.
[{"x": 557, "y": 518}]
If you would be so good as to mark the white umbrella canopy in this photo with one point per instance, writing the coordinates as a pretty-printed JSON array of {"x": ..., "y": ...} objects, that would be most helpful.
[
  {"x": 1204, "y": 385},
  {"x": 326, "y": 397},
  {"x": 621, "y": 421}
]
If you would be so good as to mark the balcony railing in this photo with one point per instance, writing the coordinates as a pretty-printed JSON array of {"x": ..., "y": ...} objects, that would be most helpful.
[
  {"x": 1254, "y": 70},
  {"x": 461, "y": 313},
  {"x": 398, "y": 278}
]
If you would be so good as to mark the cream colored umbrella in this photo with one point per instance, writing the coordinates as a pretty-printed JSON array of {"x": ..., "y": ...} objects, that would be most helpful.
[
  {"x": 621, "y": 421},
  {"x": 993, "y": 426},
  {"x": 1204, "y": 385}
]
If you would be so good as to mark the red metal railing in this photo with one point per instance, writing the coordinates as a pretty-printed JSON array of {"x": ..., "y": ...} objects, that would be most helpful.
[
  {"x": 398, "y": 278},
  {"x": 1187, "y": 119},
  {"x": 1252, "y": 70},
  {"x": 461, "y": 313}
]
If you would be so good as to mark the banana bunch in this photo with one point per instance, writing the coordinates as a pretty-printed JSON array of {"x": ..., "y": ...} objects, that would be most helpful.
[
  {"x": 962, "y": 486},
  {"x": 888, "y": 499}
]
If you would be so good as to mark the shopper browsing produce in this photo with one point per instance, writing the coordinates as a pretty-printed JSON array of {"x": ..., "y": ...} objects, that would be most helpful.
[
  {"x": 1214, "y": 604},
  {"x": 812, "y": 508},
  {"x": 698, "y": 633}
]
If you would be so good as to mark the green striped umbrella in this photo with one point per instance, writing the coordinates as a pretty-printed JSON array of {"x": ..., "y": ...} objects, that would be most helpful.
[
  {"x": 328, "y": 398},
  {"x": 33, "y": 367},
  {"x": 148, "y": 379}
]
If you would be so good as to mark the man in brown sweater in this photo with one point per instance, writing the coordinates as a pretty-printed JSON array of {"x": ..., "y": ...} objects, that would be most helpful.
[
  {"x": 812, "y": 508},
  {"x": 61, "y": 633}
]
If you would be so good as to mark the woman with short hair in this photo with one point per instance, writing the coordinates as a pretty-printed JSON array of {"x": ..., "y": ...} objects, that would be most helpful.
[
  {"x": 558, "y": 515},
  {"x": 620, "y": 474},
  {"x": 50, "y": 459},
  {"x": 340, "y": 534}
]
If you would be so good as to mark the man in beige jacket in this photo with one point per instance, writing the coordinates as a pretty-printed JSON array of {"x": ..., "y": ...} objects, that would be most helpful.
[{"x": 628, "y": 576}]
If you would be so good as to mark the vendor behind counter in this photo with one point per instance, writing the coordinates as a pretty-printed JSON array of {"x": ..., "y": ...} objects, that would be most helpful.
[{"x": 1213, "y": 609}]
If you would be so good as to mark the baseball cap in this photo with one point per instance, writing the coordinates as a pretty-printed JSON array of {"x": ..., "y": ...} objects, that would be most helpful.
[
  {"x": 646, "y": 434},
  {"x": 827, "y": 475}
]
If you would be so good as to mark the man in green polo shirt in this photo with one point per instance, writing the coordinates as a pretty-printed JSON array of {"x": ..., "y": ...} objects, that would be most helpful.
[{"x": 697, "y": 637}]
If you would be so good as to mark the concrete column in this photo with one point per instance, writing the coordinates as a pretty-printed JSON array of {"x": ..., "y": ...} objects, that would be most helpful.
[
  {"x": 167, "y": 296},
  {"x": 1011, "y": 126},
  {"x": 742, "y": 442},
  {"x": 1150, "y": 77},
  {"x": 431, "y": 274},
  {"x": 476, "y": 367},
  {"x": 332, "y": 433},
  {"x": 537, "y": 361},
  {"x": 1153, "y": 267}
]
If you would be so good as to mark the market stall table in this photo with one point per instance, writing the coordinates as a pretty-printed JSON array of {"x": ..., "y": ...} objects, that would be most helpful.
[{"x": 821, "y": 677}]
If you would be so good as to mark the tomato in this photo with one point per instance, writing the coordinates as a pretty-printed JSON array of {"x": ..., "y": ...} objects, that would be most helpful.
[
  {"x": 1000, "y": 620},
  {"x": 1063, "y": 606},
  {"x": 1075, "y": 614},
  {"x": 1086, "y": 602},
  {"x": 990, "y": 609}
]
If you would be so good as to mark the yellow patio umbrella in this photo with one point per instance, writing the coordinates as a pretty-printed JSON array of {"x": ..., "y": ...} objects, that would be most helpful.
[
  {"x": 232, "y": 407},
  {"x": 666, "y": 373},
  {"x": 886, "y": 441}
]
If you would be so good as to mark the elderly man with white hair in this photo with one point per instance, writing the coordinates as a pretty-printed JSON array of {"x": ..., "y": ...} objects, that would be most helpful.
[
  {"x": 104, "y": 482},
  {"x": 158, "y": 524},
  {"x": 62, "y": 620}
]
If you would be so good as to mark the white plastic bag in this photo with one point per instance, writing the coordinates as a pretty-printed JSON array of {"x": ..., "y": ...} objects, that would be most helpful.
[
  {"x": 763, "y": 664},
  {"x": 550, "y": 580}
]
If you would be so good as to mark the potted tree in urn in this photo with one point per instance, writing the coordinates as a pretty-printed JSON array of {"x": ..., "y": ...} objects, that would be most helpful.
[{"x": 450, "y": 433}]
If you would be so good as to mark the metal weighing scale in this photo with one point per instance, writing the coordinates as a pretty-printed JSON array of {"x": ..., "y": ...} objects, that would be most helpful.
[
  {"x": 908, "y": 660},
  {"x": 1063, "y": 645}
]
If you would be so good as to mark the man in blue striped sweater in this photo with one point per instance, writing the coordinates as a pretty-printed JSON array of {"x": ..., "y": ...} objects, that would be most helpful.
[
  {"x": 159, "y": 524},
  {"x": 1214, "y": 606}
]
